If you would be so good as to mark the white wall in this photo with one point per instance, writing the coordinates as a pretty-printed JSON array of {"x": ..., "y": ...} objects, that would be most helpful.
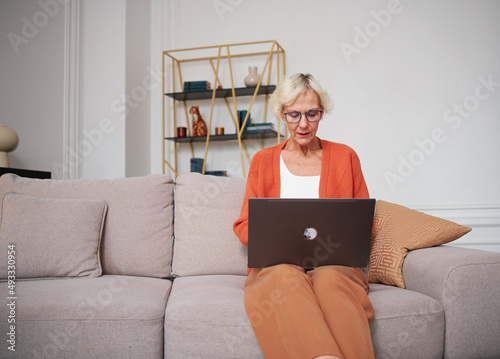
[
  {"x": 139, "y": 83},
  {"x": 103, "y": 84},
  {"x": 416, "y": 87},
  {"x": 116, "y": 88},
  {"x": 32, "y": 81}
]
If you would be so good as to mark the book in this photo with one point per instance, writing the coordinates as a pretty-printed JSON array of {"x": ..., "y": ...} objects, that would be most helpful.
[
  {"x": 197, "y": 165},
  {"x": 196, "y": 86},
  {"x": 241, "y": 118},
  {"x": 197, "y": 83},
  {"x": 216, "y": 173},
  {"x": 262, "y": 124},
  {"x": 267, "y": 130},
  {"x": 256, "y": 127}
]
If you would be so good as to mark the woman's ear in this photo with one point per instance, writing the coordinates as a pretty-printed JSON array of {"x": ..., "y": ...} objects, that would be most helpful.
[{"x": 282, "y": 115}]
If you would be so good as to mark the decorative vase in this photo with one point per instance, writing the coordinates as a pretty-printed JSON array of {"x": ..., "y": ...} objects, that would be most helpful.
[
  {"x": 252, "y": 79},
  {"x": 8, "y": 143}
]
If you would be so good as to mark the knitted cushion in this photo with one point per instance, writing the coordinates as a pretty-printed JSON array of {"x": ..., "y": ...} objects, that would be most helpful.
[{"x": 396, "y": 231}]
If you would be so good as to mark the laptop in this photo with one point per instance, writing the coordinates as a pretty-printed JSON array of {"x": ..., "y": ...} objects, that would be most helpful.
[{"x": 309, "y": 232}]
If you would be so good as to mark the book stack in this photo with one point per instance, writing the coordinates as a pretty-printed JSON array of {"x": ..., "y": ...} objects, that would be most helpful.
[
  {"x": 259, "y": 127},
  {"x": 196, "y": 86}
]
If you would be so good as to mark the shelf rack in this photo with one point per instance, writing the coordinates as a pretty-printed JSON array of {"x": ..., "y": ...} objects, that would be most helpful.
[{"x": 213, "y": 56}]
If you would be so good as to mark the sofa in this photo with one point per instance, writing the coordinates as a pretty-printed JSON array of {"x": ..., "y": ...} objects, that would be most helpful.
[{"x": 146, "y": 267}]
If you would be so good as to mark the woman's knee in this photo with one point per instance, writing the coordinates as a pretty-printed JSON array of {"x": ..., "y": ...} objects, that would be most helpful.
[
  {"x": 273, "y": 282},
  {"x": 269, "y": 288}
]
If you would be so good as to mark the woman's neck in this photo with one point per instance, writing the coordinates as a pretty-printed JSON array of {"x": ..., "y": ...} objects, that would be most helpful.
[{"x": 314, "y": 145}]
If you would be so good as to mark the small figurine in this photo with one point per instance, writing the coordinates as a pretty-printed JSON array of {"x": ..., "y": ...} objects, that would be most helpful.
[{"x": 199, "y": 126}]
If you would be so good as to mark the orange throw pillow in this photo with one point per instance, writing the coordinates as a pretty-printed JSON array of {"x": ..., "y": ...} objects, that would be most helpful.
[{"x": 397, "y": 230}]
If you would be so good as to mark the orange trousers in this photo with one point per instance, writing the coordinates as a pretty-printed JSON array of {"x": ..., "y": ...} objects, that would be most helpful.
[{"x": 298, "y": 314}]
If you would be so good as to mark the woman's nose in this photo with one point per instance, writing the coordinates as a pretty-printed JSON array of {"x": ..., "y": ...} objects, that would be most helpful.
[{"x": 303, "y": 121}]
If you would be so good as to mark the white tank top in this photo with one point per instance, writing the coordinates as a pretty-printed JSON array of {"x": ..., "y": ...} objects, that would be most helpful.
[{"x": 293, "y": 186}]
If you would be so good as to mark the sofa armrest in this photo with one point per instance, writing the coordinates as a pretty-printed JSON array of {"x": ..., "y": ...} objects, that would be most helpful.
[{"x": 467, "y": 284}]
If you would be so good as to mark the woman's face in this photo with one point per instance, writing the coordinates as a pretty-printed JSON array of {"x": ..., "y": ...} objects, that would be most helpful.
[{"x": 303, "y": 132}]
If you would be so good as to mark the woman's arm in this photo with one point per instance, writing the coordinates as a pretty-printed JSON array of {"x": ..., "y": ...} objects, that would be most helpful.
[
  {"x": 240, "y": 226},
  {"x": 360, "y": 190}
]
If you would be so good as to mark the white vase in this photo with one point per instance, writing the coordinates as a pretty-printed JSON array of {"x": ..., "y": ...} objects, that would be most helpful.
[
  {"x": 252, "y": 79},
  {"x": 8, "y": 143}
]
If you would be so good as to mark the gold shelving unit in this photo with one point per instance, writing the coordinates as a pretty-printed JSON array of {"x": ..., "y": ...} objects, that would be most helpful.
[{"x": 216, "y": 57}]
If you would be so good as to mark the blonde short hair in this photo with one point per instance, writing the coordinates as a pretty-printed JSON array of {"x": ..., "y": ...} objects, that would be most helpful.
[{"x": 290, "y": 87}]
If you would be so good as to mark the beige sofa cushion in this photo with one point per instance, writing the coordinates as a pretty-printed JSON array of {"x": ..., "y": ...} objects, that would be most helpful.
[
  {"x": 137, "y": 237},
  {"x": 205, "y": 210},
  {"x": 50, "y": 238},
  {"x": 108, "y": 317}
]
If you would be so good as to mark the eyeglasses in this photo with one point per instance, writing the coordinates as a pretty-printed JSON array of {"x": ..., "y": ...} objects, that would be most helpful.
[{"x": 311, "y": 116}]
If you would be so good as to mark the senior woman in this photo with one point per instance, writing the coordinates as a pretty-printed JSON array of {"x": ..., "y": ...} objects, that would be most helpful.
[{"x": 320, "y": 313}]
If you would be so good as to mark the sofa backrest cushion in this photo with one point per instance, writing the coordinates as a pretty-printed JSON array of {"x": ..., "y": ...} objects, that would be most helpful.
[
  {"x": 205, "y": 210},
  {"x": 138, "y": 230}
]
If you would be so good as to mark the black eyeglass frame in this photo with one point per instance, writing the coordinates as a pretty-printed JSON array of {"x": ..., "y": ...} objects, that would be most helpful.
[{"x": 305, "y": 113}]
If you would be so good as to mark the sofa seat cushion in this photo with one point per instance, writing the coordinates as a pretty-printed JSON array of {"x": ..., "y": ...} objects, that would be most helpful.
[
  {"x": 138, "y": 231},
  {"x": 209, "y": 311},
  {"x": 104, "y": 317},
  {"x": 407, "y": 324}
]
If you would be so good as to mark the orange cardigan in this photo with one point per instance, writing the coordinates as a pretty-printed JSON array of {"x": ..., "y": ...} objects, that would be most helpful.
[{"x": 341, "y": 177}]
